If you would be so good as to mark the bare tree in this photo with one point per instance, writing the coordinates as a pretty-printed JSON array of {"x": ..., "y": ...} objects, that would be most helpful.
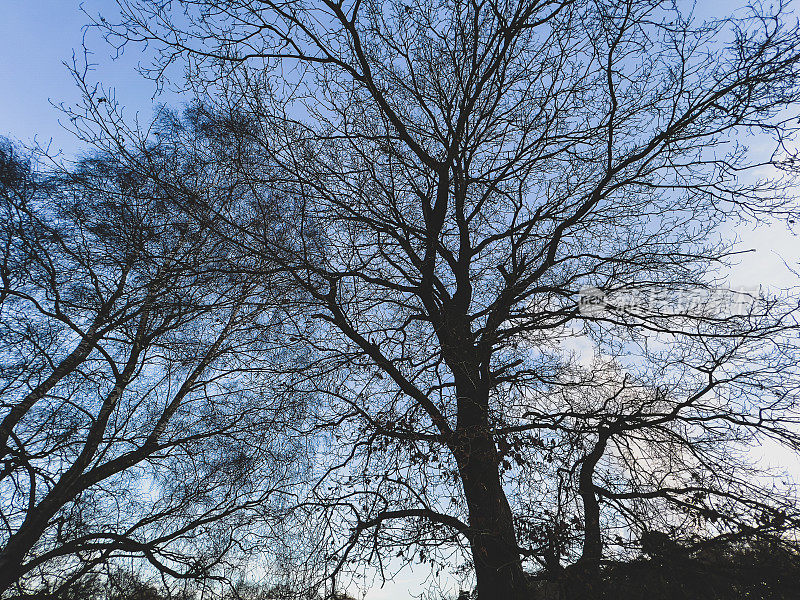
[
  {"x": 450, "y": 176},
  {"x": 134, "y": 419},
  {"x": 633, "y": 460}
]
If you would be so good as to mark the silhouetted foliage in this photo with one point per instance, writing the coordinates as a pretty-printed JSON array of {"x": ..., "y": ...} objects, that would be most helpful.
[{"x": 760, "y": 570}]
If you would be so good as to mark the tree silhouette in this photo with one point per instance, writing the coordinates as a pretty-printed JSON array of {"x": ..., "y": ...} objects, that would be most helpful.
[
  {"x": 439, "y": 181},
  {"x": 127, "y": 426}
]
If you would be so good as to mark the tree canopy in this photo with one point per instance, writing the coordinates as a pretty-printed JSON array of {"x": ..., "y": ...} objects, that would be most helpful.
[{"x": 493, "y": 238}]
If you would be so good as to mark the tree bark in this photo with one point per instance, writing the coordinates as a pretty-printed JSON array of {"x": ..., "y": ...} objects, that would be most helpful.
[
  {"x": 498, "y": 568},
  {"x": 12, "y": 556},
  {"x": 592, "y": 541},
  {"x": 583, "y": 579}
]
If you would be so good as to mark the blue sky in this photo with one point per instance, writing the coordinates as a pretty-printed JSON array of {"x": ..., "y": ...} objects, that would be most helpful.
[{"x": 36, "y": 38}]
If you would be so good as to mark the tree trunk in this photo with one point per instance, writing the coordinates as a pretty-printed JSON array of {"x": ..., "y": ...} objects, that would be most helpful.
[
  {"x": 495, "y": 553},
  {"x": 12, "y": 555},
  {"x": 592, "y": 541},
  {"x": 583, "y": 579}
]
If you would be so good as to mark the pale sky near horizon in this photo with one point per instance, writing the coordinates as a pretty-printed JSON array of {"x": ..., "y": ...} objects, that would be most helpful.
[{"x": 37, "y": 36}]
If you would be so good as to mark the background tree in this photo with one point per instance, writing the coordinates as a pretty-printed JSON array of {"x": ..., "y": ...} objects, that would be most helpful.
[
  {"x": 134, "y": 420},
  {"x": 450, "y": 175}
]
